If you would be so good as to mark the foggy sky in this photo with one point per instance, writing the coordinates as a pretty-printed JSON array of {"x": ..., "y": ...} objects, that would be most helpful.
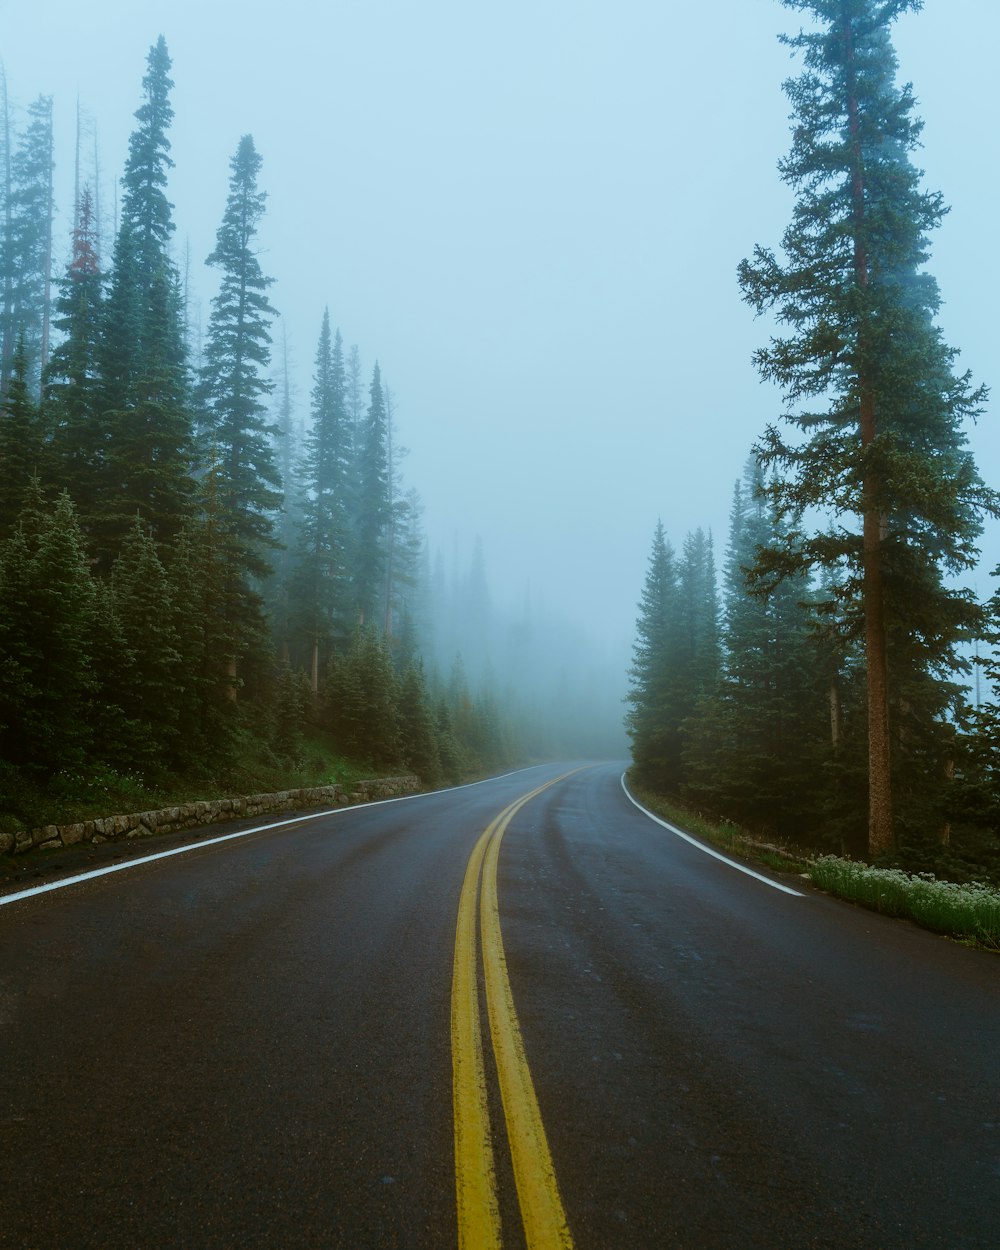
[{"x": 531, "y": 214}]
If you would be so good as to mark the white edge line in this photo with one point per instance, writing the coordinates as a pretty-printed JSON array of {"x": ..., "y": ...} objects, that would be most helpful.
[
  {"x": 63, "y": 882},
  {"x": 785, "y": 889}
]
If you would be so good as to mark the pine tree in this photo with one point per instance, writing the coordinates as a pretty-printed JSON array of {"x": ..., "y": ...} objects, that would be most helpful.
[
  {"x": 244, "y": 479},
  {"x": 22, "y": 444},
  {"x": 453, "y": 760},
  {"x": 361, "y": 700},
  {"x": 976, "y": 798},
  {"x": 142, "y": 595},
  {"x": 691, "y": 658},
  {"x": 491, "y": 740},
  {"x": 72, "y": 379},
  {"x": 696, "y": 667},
  {"x": 145, "y": 394},
  {"x": 882, "y": 447},
  {"x": 355, "y": 393},
  {"x": 147, "y": 214},
  {"x": 417, "y": 727},
  {"x": 651, "y": 723},
  {"x": 460, "y": 706},
  {"x": 117, "y": 732},
  {"x": 321, "y": 581},
  {"x": 403, "y": 540},
  {"x": 473, "y": 607},
  {"x": 26, "y": 255},
  {"x": 373, "y": 505},
  {"x": 288, "y": 453},
  {"x": 202, "y": 693},
  {"x": 758, "y": 747},
  {"x": 290, "y": 702},
  {"x": 7, "y": 250},
  {"x": 48, "y": 623}
]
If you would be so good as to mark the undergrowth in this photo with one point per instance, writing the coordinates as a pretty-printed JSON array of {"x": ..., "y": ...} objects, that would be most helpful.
[
  {"x": 73, "y": 795},
  {"x": 969, "y": 910}
]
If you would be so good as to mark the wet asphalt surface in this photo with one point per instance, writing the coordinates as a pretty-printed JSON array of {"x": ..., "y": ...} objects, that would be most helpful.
[{"x": 248, "y": 1045}]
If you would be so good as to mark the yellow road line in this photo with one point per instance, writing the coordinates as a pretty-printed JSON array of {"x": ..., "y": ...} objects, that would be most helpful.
[
  {"x": 475, "y": 1177},
  {"x": 542, "y": 1212},
  {"x": 545, "y": 1226}
]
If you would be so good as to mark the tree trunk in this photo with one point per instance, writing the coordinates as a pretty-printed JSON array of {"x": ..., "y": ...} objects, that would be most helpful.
[
  {"x": 50, "y": 213},
  {"x": 7, "y": 310},
  {"x": 390, "y": 538},
  {"x": 834, "y": 714},
  {"x": 944, "y": 833},
  {"x": 232, "y": 681},
  {"x": 98, "y": 240},
  {"x": 880, "y": 826},
  {"x": 880, "y": 829}
]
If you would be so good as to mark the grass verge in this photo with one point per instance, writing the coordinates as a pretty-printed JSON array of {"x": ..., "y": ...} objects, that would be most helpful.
[
  {"x": 971, "y": 912},
  {"x": 780, "y": 857},
  {"x": 968, "y": 912}
]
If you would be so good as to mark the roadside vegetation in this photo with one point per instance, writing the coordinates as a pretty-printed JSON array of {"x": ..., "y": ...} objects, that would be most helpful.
[
  {"x": 966, "y": 910},
  {"x": 78, "y": 794},
  {"x": 204, "y": 590},
  {"x": 825, "y": 695}
]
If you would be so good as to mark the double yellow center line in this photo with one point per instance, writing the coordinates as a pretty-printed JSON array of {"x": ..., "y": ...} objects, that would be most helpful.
[{"x": 542, "y": 1213}]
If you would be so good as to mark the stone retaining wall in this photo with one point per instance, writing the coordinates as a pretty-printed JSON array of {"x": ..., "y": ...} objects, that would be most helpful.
[{"x": 205, "y": 812}]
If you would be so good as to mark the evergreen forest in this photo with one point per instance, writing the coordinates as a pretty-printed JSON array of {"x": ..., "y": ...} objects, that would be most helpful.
[
  {"x": 204, "y": 584},
  {"x": 200, "y": 589},
  {"x": 831, "y": 694}
]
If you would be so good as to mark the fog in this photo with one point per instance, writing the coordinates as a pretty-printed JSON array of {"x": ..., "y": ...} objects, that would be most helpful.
[{"x": 531, "y": 215}]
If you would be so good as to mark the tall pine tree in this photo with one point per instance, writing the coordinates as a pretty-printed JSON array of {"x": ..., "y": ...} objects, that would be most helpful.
[
  {"x": 373, "y": 505},
  {"x": 72, "y": 379},
  {"x": 26, "y": 247},
  {"x": 651, "y": 723},
  {"x": 48, "y": 626},
  {"x": 321, "y": 585},
  {"x": 22, "y": 443},
  {"x": 880, "y": 410},
  {"x": 243, "y": 481},
  {"x": 145, "y": 395}
]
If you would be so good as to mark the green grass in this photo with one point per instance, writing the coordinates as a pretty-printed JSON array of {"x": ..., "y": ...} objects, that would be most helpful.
[{"x": 963, "y": 911}]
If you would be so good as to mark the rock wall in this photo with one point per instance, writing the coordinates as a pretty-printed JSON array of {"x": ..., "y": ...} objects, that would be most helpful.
[{"x": 204, "y": 812}]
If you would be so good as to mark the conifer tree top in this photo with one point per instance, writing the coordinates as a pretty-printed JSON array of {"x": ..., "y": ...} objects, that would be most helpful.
[{"x": 145, "y": 205}]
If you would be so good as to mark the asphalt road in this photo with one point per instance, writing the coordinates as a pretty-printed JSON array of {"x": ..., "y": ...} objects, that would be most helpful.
[{"x": 253, "y": 1043}]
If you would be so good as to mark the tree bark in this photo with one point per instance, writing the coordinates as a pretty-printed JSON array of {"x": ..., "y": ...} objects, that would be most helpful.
[
  {"x": 232, "y": 680},
  {"x": 880, "y": 824},
  {"x": 7, "y": 311},
  {"x": 834, "y": 714},
  {"x": 49, "y": 213},
  {"x": 390, "y": 536}
]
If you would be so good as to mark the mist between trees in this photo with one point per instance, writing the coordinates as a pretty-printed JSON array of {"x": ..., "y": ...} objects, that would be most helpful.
[{"x": 191, "y": 569}]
